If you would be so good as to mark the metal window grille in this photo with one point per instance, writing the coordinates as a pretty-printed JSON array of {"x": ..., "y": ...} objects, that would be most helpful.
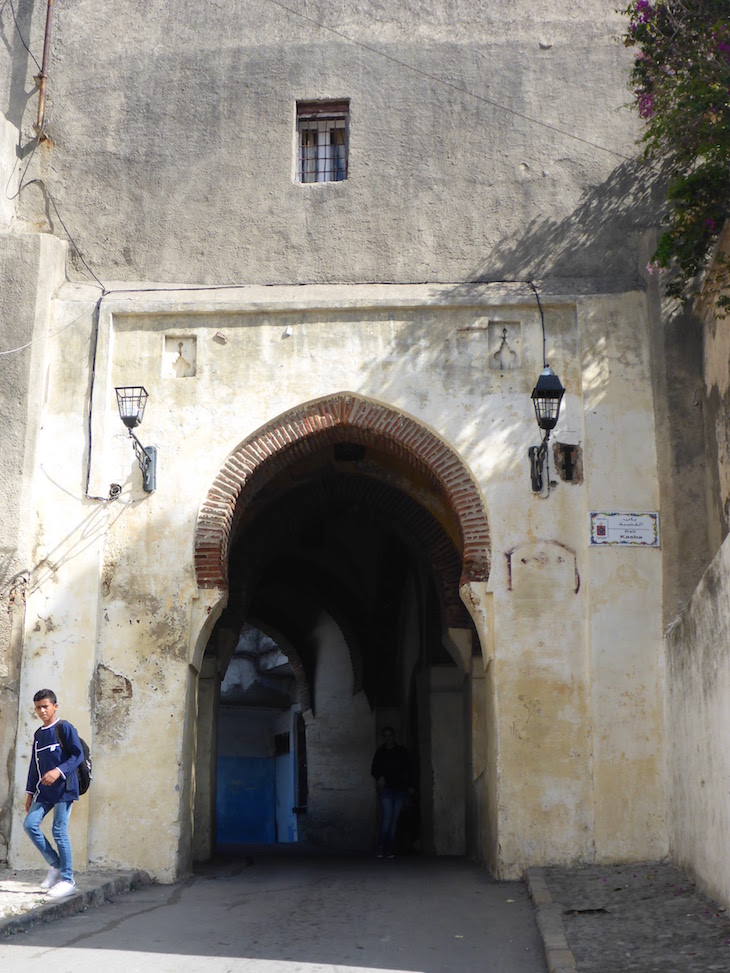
[{"x": 322, "y": 141}]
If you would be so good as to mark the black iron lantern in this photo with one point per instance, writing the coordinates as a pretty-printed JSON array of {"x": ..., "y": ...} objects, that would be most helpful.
[
  {"x": 131, "y": 402},
  {"x": 546, "y": 398}
]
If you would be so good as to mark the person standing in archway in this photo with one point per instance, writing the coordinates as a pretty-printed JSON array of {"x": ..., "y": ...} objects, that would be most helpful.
[{"x": 391, "y": 769}]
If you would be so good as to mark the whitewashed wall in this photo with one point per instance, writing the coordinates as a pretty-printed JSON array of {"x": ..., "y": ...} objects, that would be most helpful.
[
  {"x": 698, "y": 731},
  {"x": 576, "y": 665},
  {"x": 481, "y": 148}
]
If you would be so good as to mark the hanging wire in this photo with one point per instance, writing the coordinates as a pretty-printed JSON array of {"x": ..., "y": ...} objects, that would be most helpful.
[
  {"x": 45, "y": 335},
  {"x": 20, "y": 35},
  {"x": 80, "y": 255},
  {"x": 449, "y": 84},
  {"x": 113, "y": 493},
  {"x": 542, "y": 320},
  {"x": 97, "y": 308},
  {"x": 21, "y": 184}
]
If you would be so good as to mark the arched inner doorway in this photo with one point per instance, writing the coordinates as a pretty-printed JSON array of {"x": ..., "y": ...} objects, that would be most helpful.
[{"x": 343, "y": 564}]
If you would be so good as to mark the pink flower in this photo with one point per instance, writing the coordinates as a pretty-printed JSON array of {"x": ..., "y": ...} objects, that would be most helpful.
[{"x": 645, "y": 101}]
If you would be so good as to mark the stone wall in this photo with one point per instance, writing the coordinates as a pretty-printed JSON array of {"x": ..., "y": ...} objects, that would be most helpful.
[
  {"x": 31, "y": 266},
  {"x": 698, "y": 730},
  {"x": 481, "y": 148},
  {"x": 696, "y": 643},
  {"x": 480, "y": 144},
  {"x": 340, "y": 745},
  {"x": 714, "y": 400},
  {"x": 571, "y": 636}
]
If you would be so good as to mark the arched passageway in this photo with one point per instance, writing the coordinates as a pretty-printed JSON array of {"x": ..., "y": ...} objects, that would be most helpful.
[{"x": 343, "y": 550}]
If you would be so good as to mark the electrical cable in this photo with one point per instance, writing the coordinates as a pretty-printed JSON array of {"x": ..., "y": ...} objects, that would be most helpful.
[
  {"x": 20, "y": 35},
  {"x": 542, "y": 322},
  {"x": 24, "y": 185},
  {"x": 113, "y": 494},
  {"x": 21, "y": 185},
  {"x": 41, "y": 183},
  {"x": 47, "y": 334},
  {"x": 49, "y": 195},
  {"x": 182, "y": 289},
  {"x": 449, "y": 84}
]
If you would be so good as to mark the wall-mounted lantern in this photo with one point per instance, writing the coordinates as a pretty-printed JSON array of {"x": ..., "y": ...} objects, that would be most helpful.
[
  {"x": 546, "y": 397},
  {"x": 131, "y": 402}
]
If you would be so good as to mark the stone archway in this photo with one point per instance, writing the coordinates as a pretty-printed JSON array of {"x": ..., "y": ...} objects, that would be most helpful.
[
  {"x": 306, "y": 428},
  {"x": 450, "y": 525}
]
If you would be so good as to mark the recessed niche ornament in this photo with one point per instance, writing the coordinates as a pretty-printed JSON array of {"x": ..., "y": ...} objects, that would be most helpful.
[
  {"x": 505, "y": 345},
  {"x": 180, "y": 356}
]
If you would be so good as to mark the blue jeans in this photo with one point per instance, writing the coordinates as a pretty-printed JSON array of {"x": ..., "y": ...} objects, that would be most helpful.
[
  {"x": 32, "y": 824},
  {"x": 391, "y": 803}
]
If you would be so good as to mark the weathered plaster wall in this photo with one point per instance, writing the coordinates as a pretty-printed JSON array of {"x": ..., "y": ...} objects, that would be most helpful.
[
  {"x": 447, "y": 722},
  {"x": 31, "y": 267},
  {"x": 9, "y": 138},
  {"x": 714, "y": 402},
  {"x": 171, "y": 159},
  {"x": 684, "y": 454},
  {"x": 698, "y": 729},
  {"x": 340, "y": 746},
  {"x": 205, "y": 714},
  {"x": 697, "y": 658},
  {"x": 577, "y": 675},
  {"x": 474, "y": 129},
  {"x": 116, "y": 604},
  {"x": 624, "y": 586},
  {"x": 478, "y": 790}
]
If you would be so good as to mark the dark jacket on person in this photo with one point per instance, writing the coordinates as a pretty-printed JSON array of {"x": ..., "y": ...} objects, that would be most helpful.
[
  {"x": 58, "y": 746},
  {"x": 394, "y": 765}
]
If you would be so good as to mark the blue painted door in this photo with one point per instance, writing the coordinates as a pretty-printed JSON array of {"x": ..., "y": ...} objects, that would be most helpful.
[
  {"x": 286, "y": 819},
  {"x": 246, "y": 800}
]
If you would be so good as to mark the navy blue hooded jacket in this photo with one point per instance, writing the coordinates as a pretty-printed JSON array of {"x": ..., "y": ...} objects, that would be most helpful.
[{"x": 61, "y": 750}]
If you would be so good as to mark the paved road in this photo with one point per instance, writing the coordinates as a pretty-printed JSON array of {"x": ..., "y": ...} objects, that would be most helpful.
[{"x": 276, "y": 913}]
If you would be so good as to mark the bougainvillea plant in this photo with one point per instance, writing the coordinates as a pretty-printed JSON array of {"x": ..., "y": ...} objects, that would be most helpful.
[{"x": 681, "y": 85}]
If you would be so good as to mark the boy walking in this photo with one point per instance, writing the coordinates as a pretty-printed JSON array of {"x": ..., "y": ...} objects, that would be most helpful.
[{"x": 53, "y": 785}]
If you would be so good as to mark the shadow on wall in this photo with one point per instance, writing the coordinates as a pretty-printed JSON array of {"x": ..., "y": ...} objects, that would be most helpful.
[{"x": 599, "y": 239}]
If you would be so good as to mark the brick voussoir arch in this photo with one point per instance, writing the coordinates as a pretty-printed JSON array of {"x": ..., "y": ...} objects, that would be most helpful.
[{"x": 307, "y": 428}]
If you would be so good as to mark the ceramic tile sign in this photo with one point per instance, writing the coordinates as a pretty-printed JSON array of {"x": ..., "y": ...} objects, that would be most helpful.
[{"x": 629, "y": 530}]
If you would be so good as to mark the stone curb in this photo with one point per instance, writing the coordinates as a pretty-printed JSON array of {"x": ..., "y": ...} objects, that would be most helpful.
[
  {"x": 74, "y": 903},
  {"x": 558, "y": 954}
]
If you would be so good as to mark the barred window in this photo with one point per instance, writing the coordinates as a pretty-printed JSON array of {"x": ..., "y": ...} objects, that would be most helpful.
[{"x": 322, "y": 140}]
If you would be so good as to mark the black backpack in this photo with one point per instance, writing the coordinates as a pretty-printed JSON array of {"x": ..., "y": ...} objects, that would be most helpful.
[{"x": 83, "y": 771}]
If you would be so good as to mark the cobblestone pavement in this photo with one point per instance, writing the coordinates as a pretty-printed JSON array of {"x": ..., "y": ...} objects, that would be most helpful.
[{"x": 629, "y": 919}]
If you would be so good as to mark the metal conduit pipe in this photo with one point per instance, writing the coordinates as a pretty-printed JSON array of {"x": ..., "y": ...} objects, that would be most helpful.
[{"x": 42, "y": 78}]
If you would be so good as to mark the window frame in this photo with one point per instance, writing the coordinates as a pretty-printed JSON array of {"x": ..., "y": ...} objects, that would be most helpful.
[{"x": 324, "y": 164}]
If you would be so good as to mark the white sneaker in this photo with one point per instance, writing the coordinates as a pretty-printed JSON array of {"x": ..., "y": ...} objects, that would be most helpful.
[
  {"x": 52, "y": 878},
  {"x": 61, "y": 890}
]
